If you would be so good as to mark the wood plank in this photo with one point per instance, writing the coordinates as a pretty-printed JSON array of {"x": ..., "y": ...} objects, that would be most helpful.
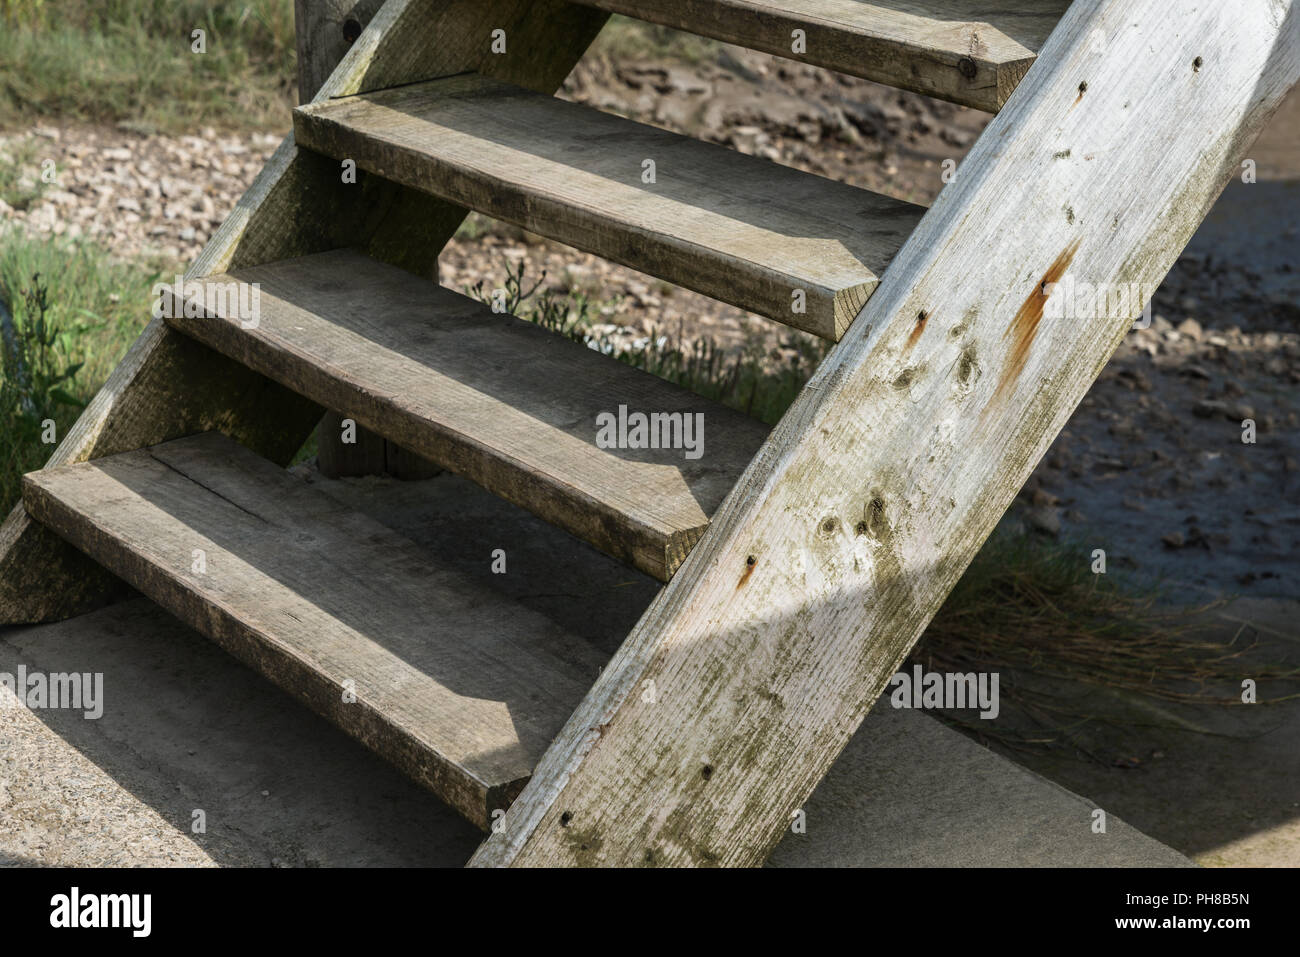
[
  {"x": 497, "y": 399},
  {"x": 458, "y": 686},
  {"x": 892, "y": 467},
  {"x": 739, "y": 228},
  {"x": 169, "y": 386},
  {"x": 971, "y": 52}
]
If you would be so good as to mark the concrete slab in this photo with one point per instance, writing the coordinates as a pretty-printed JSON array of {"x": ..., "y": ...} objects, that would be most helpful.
[{"x": 187, "y": 729}]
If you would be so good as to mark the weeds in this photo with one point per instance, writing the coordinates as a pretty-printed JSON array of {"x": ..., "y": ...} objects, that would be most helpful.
[
  {"x": 35, "y": 376},
  {"x": 743, "y": 380},
  {"x": 70, "y": 314},
  {"x": 1032, "y": 609}
]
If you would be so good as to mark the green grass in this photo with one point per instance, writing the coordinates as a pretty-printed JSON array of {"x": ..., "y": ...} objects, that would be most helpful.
[
  {"x": 130, "y": 62},
  {"x": 74, "y": 314}
]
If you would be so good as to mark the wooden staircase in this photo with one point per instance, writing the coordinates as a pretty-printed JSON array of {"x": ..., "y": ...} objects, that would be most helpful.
[{"x": 803, "y": 564}]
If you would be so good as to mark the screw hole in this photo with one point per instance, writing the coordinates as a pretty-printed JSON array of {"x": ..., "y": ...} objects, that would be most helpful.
[
  {"x": 1083, "y": 87},
  {"x": 1196, "y": 64},
  {"x": 565, "y": 818},
  {"x": 751, "y": 561},
  {"x": 707, "y": 771},
  {"x": 351, "y": 29}
]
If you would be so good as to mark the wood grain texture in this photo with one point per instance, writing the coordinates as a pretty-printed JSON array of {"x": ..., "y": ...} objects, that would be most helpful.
[
  {"x": 888, "y": 473},
  {"x": 497, "y": 399},
  {"x": 325, "y": 30},
  {"x": 169, "y": 386},
  {"x": 739, "y": 228},
  {"x": 459, "y": 687},
  {"x": 971, "y": 52},
  {"x": 321, "y": 29}
]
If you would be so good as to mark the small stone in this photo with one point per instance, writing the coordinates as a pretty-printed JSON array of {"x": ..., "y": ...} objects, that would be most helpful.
[
  {"x": 1044, "y": 519},
  {"x": 1209, "y": 409},
  {"x": 1043, "y": 499},
  {"x": 1173, "y": 540},
  {"x": 1190, "y": 328}
]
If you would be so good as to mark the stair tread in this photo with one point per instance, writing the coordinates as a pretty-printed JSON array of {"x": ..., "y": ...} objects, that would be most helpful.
[
  {"x": 739, "y": 228},
  {"x": 459, "y": 686},
  {"x": 497, "y": 399},
  {"x": 971, "y": 52}
]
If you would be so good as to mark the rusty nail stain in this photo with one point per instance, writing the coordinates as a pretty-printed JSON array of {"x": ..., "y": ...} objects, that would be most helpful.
[
  {"x": 921, "y": 318},
  {"x": 1024, "y": 326},
  {"x": 967, "y": 67},
  {"x": 750, "y": 562}
]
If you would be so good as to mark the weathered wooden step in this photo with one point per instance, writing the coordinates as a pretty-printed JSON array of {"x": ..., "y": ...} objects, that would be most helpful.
[
  {"x": 972, "y": 52},
  {"x": 799, "y": 248},
  {"x": 460, "y": 687},
  {"x": 499, "y": 400}
]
